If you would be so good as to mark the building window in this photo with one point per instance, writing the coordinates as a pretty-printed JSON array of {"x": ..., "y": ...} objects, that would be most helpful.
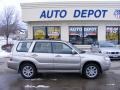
[
  {"x": 82, "y": 35},
  {"x": 46, "y": 32},
  {"x": 113, "y": 34}
]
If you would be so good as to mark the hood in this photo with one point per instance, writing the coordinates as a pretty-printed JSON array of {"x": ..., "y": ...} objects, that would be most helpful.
[
  {"x": 93, "y": 56},
  {"x": 110, "y": 49}
]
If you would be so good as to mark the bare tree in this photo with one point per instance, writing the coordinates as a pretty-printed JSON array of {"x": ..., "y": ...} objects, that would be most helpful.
[{"x": 9, "y": 22}]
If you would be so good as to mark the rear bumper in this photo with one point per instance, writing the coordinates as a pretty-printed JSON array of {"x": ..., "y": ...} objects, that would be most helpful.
[{"x": 13, "y": 65}]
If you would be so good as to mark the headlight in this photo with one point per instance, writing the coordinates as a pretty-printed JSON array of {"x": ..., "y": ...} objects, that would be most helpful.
[
  {"x": 104, "y": 52},
  {"x": 108, "y": 53},
  {"x": 107, "y": 60}
]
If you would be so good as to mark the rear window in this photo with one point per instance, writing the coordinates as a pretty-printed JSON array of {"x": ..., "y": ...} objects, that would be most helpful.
[{"x": 23, "y": 46}]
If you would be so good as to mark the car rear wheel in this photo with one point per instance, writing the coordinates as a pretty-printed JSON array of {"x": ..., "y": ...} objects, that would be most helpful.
[
  {"x": 28, "y": 70},
  {"x": 91, "y": 71}
]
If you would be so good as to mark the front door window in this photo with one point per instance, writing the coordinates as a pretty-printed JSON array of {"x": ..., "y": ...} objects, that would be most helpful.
[{"x": 61, "y": 48}]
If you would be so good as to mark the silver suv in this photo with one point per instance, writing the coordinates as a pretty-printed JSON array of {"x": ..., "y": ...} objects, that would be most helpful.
[{"x": 32, "y": 56}]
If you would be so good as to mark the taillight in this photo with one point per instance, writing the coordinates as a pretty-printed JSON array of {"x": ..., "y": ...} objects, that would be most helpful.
[{"x": 11, "y": 59}]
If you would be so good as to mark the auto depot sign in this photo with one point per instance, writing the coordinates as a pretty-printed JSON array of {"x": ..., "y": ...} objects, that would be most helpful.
[
  {"x": 80, "y": 14},
  {"x": 85, "y": 13}
]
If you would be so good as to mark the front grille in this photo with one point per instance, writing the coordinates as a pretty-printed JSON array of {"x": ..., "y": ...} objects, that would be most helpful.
[
  {"x": 114, "y": 57},
  {"x": 114, "y": 52}
]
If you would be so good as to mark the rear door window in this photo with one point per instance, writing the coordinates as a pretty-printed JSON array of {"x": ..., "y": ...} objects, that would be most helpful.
[
  {"x": 42, "y": 47},
  {"x": 23, "y": 46}
]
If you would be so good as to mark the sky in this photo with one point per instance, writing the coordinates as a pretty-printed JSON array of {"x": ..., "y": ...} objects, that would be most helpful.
[
  {"x": 14, "y": 4},
  {"x": 27, "y": 1},
  {"x": 10, "y": 3}
]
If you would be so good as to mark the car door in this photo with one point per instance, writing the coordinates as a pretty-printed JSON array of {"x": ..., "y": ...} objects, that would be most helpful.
[
  {"x": 63, "y": 57},
  {"x": 42, "y": 53}
]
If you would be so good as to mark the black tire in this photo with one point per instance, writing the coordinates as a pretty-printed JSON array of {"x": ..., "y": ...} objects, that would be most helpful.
[
  {"x": 29, "y": 74},
  {"x": 93, "y": 74}
]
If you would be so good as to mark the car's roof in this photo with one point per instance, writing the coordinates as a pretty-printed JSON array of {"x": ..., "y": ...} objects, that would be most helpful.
[{"x": 41, "y": 40}]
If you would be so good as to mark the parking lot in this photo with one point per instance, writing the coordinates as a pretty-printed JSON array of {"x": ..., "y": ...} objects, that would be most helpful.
[{"x": 10, "y": 80}]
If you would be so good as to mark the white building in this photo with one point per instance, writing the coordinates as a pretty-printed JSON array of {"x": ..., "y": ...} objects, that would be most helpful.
[{"x": 80, "y": 23}]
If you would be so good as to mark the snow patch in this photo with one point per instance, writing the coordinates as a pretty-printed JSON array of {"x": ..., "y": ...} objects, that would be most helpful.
[
  {"x": 39, "y": 79},
  {"x": 53, "y": 79},
  {"x": 43, "y": 86},
  {"x": 29, "y": 86},
  {"x": 112, "y": 84},
  {"x": 38, "y": 86}
]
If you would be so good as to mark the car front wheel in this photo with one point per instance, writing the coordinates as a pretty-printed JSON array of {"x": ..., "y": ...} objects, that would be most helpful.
[
  {"x": 28, "y": 70},
  {"x": 91, "y": 71}
]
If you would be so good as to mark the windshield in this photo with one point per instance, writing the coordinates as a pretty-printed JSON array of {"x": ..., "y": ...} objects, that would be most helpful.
[{"x": 106, "y": 44}]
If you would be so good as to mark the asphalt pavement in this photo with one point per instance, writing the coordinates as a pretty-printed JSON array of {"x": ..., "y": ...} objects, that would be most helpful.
[{"x": 11, "y": 80}]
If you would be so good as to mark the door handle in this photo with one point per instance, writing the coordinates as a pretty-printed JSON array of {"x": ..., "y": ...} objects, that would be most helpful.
[{"x": 58, "y": 56}]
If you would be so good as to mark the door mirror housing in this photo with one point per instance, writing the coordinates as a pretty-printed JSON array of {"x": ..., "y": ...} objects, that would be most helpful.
[
  {"x": 95, "y": 45},
  {"x": 74, "y": 52}
]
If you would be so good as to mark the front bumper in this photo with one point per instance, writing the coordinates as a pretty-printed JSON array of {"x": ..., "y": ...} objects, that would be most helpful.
[
  {"x": 114, "y": 56},
  {"x": 106, "y": 65}
]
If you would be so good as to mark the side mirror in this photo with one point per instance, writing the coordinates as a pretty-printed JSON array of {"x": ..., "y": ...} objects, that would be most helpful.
[
  {"x": 95, "y": 45},
  {"x": 83, "y": 51},
  {"x": 74, "y": 52}
]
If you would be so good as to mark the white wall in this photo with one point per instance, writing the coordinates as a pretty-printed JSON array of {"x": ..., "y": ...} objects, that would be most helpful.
[
  {"x": 30, "y": 31},
  {"x": 33, "y": 11}
]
